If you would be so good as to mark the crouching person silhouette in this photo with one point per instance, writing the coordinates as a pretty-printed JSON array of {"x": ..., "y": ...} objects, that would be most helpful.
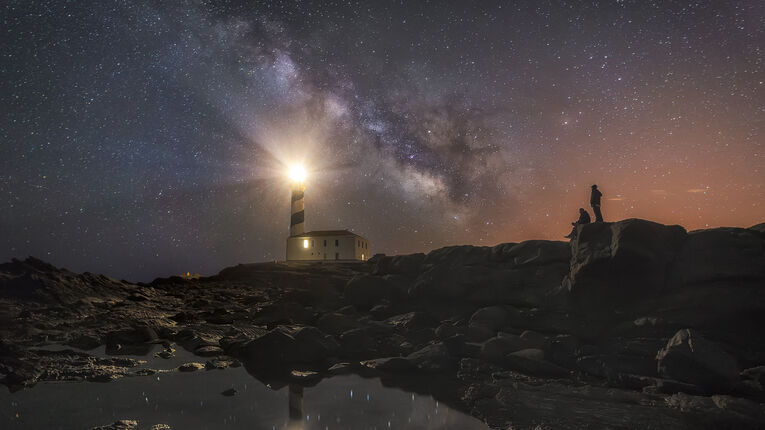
[{"x": 584, "y": 218}]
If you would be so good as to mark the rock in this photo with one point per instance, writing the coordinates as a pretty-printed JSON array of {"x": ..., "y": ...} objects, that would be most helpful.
[
  {"x": 161, "y": 427},
  {"x": 720, "y": 412},
  {"x": 283, "y": 346},
  {"x": 531, "y": 361},
  {"x": 221, "y": 363},
  {"x": 492, "y": 317},
  {"x": 722, "y": 254},
  {"x": 451, "y": 272},
  {"x": 84, "y": 342},
  {"x": 389, "y": 364},
  {"x": 497, "y": 348},
  {"x": 646, "y": 327},
  {"x": 670, "y": 386},
  {"x": 219, "y": 316},
  {"x": 368, "y": 290},
  {"x": 621, "y": 262},
  {"x": 341, "y": 368},
  {"x": 534, "y": 339},
  {"x": 119, "y": 425},
  {"x": 408, "y": 265},
  {"x": 190, "y": 367},
  {"x": 284, "y": 313},
  {"x": 479, "y": 333},
  {"x": 166, "y": 354},
  {"x": 412, "y": 320},
  {"x": 756, "y": 374},
  {"x": 130, "y": 341},
  {"x": 530, "y": 353},
  {"x": 433, "y": 358},
  {"x": 209, "y": 351},
  {"x": 611, "y": 365},
  {"x": 358, "y": 341},
  {"x": 690, "y": 358},
  {"x": 304, "y": 377},
  {"x": 449, "y": 329},
  {"x": 335, "y": 323},
  {"x": 562, "y": 350},
  {"x": 533, "y": 252},
  {"x": 759, "y": 227}
]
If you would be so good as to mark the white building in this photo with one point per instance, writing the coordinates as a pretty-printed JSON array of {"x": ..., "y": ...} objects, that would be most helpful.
[{"x": 329, "y": 245}]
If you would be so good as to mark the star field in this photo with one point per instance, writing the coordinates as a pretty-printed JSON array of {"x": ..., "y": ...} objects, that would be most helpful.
[{"x": 144, "y": 139}]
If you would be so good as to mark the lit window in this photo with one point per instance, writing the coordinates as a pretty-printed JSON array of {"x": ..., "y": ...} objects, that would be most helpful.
[
  {"x": 362, "y": 256},
  {"x": 305, "y": 243}
]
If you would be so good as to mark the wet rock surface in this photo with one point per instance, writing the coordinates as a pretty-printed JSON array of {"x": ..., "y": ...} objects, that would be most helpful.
[{"x": 632, "y": 325}]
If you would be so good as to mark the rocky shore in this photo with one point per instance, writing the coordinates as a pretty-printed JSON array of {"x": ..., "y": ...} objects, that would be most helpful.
[{"x": 631, "y": 325}]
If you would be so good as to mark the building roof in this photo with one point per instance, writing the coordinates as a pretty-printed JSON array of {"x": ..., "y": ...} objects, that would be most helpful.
[{"x": 331, "y": 233}]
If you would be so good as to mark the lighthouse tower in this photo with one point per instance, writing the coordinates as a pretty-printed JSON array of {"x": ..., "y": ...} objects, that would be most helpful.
[
  {"x": 297, "y": 217},
  {"x": 328, "y": 245}
]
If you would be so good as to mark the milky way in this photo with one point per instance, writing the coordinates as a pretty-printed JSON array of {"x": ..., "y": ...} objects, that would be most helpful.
[{"x": 144, "y": 139}]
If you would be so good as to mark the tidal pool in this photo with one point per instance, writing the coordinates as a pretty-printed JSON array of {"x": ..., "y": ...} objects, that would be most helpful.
[{"x": 194, "y": 401}]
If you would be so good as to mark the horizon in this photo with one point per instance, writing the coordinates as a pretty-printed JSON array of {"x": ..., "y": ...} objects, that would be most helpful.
[
  {"x": 141, "y": 141},
  {"x": 427, "y": 251}
]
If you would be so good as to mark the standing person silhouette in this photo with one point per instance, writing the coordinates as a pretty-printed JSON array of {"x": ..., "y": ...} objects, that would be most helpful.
[{"x": 595, "y": 203}]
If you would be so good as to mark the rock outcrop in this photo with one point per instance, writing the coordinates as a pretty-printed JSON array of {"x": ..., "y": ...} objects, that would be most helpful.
[
  {"x": 688, "y": 357},
  {"x": 631, "y": 325}
]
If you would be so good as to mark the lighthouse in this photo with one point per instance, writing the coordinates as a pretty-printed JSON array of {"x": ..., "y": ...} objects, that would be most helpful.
[
  {"x": 297, "y": 215},
  {"x": 323, "y": 245}
]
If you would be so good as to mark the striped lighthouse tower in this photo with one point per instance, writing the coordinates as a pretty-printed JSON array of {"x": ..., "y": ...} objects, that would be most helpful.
[{"x": 297, "y": 219}]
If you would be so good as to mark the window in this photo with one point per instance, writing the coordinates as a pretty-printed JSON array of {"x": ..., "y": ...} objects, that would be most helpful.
[
  {"x": 312, "y": 243},
  {"x": 337, "y": 255},
  {"x": 362, "y": 255},
  {"x": 305, "y": 243},
  {"x": 325, "y": 243},
  {"x": 337, "y": 242}
]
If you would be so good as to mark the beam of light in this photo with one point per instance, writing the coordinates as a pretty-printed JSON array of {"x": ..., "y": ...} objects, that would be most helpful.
[{"x": 297, "y": 173}]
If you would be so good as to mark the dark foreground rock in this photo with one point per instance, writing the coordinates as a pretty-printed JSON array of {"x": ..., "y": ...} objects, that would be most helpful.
[{"x": 632, "y": 325}]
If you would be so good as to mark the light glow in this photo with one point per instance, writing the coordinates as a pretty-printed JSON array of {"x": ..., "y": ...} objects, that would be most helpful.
[
  {"x": 297, "y": 173},
  {"x": 305, "y": 243}
]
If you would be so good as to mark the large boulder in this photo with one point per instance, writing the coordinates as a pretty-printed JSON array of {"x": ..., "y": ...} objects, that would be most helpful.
[
  {"x": 336, "y": 323},
  {"x": 734, "y": 255},
  {"x": 491, "y": 317},
  {"x": 368, "y": 290},
  {"x": 495, "y": 349},
  {"x": 688, "y": 357},
  {"x": 407, "y": 265},
  {"x": 521, "y": 274},
  {"x": 532, "y": 361},
  {"x": 283, "y": 346},
  {"x": 621, "y": 261},
  {"x": 533, "y": 252},
  {"x": 435, "y": 357}
]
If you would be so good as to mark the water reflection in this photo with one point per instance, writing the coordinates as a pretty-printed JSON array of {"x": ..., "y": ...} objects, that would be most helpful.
[
  {"x": 194, "y": 400},
  {"x": 295, "y": 402}
]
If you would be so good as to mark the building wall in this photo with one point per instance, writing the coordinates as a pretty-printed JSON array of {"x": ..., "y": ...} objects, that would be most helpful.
[
  {"x": 362, "y": 249},
  {"x": 347, "y": 248}
]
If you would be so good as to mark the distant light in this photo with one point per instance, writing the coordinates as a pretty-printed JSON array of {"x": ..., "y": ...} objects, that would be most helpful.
[{"x": 297, "y": 173}]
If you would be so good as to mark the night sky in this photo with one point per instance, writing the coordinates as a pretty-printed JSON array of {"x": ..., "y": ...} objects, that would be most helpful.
[{"x": 142, "y": 139}]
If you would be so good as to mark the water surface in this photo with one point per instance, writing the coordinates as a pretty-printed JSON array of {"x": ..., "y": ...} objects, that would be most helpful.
[{"x": 194, "y": 401}]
